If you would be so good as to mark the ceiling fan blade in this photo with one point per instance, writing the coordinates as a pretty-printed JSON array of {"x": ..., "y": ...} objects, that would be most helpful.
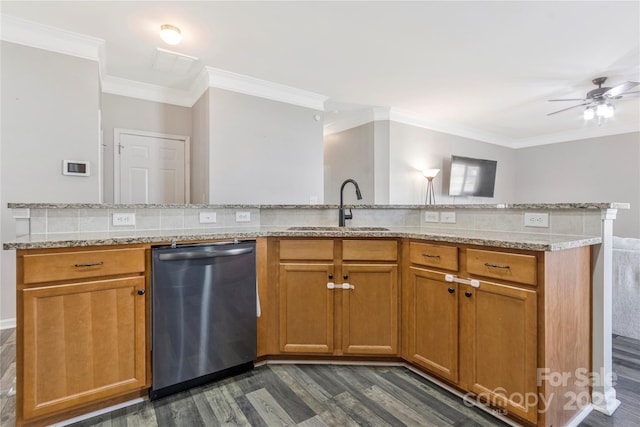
[
  {"x": 567, "y": 99},
  {"x": 620, "y": 89},
  {"x": 570, "y": 108},
  {"x": 630, "y": 94}
]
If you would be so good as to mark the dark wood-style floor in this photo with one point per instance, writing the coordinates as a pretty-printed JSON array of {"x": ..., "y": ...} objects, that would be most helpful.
[{"x": 319, "y": 395}]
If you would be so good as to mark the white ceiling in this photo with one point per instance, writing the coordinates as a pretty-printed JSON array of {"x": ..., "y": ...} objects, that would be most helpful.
[{"x": 482, "y": 69}]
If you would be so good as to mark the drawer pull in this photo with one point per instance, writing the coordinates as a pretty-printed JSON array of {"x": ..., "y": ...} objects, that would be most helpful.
[
  {"x": 468, "y": 294},
  {"x": 90, "y": 264},
  {"x": 451, "y": 290},
  {"x": 496, "y": 265},
  {"x": 431, "y": 256}
]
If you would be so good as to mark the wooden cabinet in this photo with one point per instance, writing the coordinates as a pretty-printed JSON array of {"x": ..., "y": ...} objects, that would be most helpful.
[
  {"x": 433, "y": 323},
  {"x": 338, "y": 296},
  {"x": 477, "y": 334},
  {"x": 488, "y": 321},
  {"x": 498, "y": 346},
  {"x": 306, "y": 308},
  {"x": 82, "y": 330},
  {"x": 370, "y": 309}
]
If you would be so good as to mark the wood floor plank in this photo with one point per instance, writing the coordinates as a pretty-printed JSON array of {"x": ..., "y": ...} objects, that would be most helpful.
[
  {"x": 305, "y": 381},
  {"x": 270, "y": 411},
  {"x": 297, "y": 409},
  {"x": 177, "y": 410},
  {"x": 225, "y": 407},
  {"x": 204, "y": 408},
  {"x": 360, "y": 413},
  {"x": 397, "y": 408},
  {"x": 324, "y": 377},
  {"x": 254, "y": 418},
  {"x": 141, "y": 415},
  {"x": 313, "y": 422}
]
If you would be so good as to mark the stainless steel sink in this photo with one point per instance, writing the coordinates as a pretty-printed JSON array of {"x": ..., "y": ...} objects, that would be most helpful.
[{"x": 331, "y": 228}]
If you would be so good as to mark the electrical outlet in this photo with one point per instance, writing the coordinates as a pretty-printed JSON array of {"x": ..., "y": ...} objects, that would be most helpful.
[
  {"x": 431, "y": 217},
  {"x": 448, "y": 217},
  {"x": 536, "y": 220},
  {"x": 243, "y": 216},
  {"x": 121, "y": 219},
  {"x": 207, "y": 217}
]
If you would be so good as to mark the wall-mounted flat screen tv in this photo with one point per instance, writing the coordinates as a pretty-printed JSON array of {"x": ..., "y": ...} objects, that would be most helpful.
[{"x": 472, "y": 177}]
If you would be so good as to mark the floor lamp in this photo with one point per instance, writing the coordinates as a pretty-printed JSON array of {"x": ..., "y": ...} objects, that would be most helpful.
[{"x": 430, "y": 198}]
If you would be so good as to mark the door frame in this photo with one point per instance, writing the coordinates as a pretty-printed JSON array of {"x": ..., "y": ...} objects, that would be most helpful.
[{"x": 116, "y": 158}]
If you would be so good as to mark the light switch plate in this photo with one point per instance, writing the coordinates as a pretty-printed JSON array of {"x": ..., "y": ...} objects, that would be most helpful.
[
  {"x": 431, "y": 217},
  {"x": 243, "y": 216},
  {"x": 207, "y": 217},
  {"x": 448, "y": 217}
]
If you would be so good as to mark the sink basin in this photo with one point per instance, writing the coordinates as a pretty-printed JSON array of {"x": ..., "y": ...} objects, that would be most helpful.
[{"x": 331, "y": 228}]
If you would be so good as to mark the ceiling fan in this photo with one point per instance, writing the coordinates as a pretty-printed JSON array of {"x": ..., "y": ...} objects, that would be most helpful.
[{"x": 598, "y": 102}]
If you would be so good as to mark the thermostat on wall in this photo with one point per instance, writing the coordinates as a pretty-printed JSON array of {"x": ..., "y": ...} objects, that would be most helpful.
[{"x": 75, "y": 168}]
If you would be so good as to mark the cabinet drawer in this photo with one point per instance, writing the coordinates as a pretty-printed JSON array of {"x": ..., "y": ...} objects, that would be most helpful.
[
  {"x": 306, "y": 249},
  {"x": 500, "y": 265},
  {"x": 39, "y": 268},
  {"x": 439, "y": 256},
  {"x": 370, "y": 250}
]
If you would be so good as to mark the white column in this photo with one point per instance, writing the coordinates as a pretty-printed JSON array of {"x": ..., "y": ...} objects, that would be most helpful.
[{"x": 603, "y": 394}]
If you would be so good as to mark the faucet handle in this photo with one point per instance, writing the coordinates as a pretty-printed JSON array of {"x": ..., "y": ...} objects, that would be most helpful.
[{"x": 348, "y": 215}]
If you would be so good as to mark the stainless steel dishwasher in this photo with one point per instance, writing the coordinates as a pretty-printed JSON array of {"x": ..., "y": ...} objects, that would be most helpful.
[{"x": 203, "y": 314}]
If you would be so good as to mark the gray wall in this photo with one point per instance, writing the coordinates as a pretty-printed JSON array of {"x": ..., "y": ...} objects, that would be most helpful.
[
  {"x": 598, "y": 169},
  {"x": 263, "y": 151},
  {"x": 50, "y": 106},
  {"x": 137, "y": 114},
  {"x": 349, "y": 154},
  {"x": 413, "y": 149},
  {"x": 200, "y": 139},
  {"x": 381, "y": 147}
]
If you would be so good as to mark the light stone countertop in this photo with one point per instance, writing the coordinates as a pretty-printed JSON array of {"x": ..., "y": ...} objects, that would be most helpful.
[
  {"x": 570, "y": 205},
  {"x": 526, "y": 241}
]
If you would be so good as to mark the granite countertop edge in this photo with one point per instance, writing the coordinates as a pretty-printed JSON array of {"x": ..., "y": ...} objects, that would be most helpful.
[
  {"x": 534, "y": 242},
  {"x": 581, "y": 205}
]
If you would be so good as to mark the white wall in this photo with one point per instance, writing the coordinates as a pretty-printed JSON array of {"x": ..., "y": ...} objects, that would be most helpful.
[
  {"x": 137, "y": 114},
  {"x": 381, "y": 154},
  {"x": 200, "y": 139},
  {"x": 603, "y": 169},
  {"x": 263, "y": 151},
  {"x": 349, "y": 154},
  {"x": 50, "y": 106},
  {"x": 413, "y": 149}
]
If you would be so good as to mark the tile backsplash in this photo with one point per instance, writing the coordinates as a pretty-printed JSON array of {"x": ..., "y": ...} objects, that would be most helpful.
[{"x": 578, "y": 221}]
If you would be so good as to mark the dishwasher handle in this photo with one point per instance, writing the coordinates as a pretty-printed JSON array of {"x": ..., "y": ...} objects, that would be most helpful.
[{"x": 181, "y": 256}]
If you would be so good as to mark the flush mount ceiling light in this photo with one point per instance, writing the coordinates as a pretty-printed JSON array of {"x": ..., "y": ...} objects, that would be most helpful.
[{"x": 170, "y": 34}]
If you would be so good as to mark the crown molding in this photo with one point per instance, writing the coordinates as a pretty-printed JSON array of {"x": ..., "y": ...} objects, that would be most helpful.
[
  {"x": 32, "y": 34},
  {"x": 146, "y": 91},
  {"x": 574, "y": 135},
  {"x": 228, "y": 80}
]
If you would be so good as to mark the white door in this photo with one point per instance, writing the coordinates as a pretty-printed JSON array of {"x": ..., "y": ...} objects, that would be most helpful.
[{"x": 150, "y": 168}]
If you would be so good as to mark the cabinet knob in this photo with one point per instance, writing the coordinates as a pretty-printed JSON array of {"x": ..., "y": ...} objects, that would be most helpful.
[
  {"x": 451, "y": 290},
  {"x": 345, "y": 277},
  {"x": 140, "y": 291},
  {"x": 468, "y": 294},
  {"x": 331, "y": 276}
]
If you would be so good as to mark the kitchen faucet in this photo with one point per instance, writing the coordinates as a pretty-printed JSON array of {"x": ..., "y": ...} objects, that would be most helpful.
[{"x": 341, "y": 214}]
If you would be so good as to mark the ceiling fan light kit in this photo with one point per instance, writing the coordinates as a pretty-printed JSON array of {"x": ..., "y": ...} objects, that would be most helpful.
[{"x": 598, "y": 102}]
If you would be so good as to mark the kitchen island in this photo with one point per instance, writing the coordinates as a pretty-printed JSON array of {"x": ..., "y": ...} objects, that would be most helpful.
[{"x": 508, "y": 297}]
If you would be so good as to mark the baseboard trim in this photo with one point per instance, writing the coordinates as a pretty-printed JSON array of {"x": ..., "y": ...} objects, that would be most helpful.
[
  {"x": 580, "y": 416},
  {"x": 98, "y": 412},
  {"x": 7, "y": 323}
]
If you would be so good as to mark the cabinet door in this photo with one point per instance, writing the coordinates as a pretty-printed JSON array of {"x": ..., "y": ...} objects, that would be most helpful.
[
  {"x": 306, "y": 308},
  {"x": 370, "y": 309},
  {"x": 433, "y": 323},
  {"x": 500, "y": 339},
  {"x": 82, "y": 342}
]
